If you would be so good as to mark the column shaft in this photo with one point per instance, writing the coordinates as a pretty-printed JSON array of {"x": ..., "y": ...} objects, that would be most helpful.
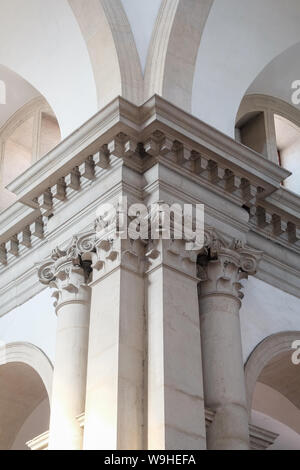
[
  {"x": 67, "y": 274},
  {"x": 223, "y": 369},
  {"x": 175, "y": 389},
  {"x": 114, "y": 405},
  {"x": 69, "y": 380},
  {"x": 221, "y": 268}
]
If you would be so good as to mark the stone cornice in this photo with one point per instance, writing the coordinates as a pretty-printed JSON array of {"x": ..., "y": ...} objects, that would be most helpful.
[
  {"x": 286, "y": 201},
  {"x": 159, "y": 110},
  {"x": 59, "y": 194},
  {"x": 73, "y": 150},
  {"x": 224, "y": 167},
  {"x": 121, "y": 116},
  {"x": 15, "y": 218}
]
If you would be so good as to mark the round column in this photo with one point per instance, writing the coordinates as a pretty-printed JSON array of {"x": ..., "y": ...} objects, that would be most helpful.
[
  {"x": 222, "y": 355},
  {"x": 68, "y": 279}
]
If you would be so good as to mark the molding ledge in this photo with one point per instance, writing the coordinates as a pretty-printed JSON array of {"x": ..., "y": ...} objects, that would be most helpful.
[
  {"x": 40, "y": 442},
  {"x": 58, "y": 195},
  {"x": 260, "y": 439}
]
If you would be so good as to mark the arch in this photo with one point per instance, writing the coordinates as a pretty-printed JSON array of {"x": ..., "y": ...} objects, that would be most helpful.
[
  {"x": 280, "y": 76},
  {"x": 24, "y": 113},
  {"x": 49, "y": 52},
  {"x": 263, "y": 353},
  {"x": 172, "y": 55},
  {"x": 27, "y": 135},
  {"x": 33, "y": 357},
  {"x": 269, "y": 106},
  {"x": 229, "y": 41},
  {"x": 111, "y": 46},
  {"x": 258, "y": 102}
]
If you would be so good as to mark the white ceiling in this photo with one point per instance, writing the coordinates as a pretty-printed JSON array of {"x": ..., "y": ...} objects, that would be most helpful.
[
  {"x": 44, "y": 45},
  {"x": 277, "y": 77},
  {"x": 240, "y": 38},
  {"x": 246, "y": 47},
  {"x": 142, "y": 16}
]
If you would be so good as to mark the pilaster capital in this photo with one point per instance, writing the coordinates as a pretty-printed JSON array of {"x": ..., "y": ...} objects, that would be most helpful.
[
  {"x": 115, "y": 247},
  {"x": 115, "y": 253},
  {"x": 68, "y": 269},
  {"x": 222, "y": 265},
  {"x": 99, "y": 251},
  {"x": 74, "y": 254},
  {"x": 171, "y": 253}
]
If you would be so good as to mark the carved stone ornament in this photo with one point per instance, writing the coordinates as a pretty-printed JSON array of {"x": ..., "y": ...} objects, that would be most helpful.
[
  {"x": 68, "y": 269},
  {"x": 96, "y": 250},
  {"x": 76, "y": 253},
  {"x": 222, "y": 266}
]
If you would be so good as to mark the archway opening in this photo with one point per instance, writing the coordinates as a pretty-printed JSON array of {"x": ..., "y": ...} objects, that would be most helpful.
[
  {"x": 276, "y": 401},
  {"x": 251, "y": 131},
  {"x": 28, "y": 130},
  {"x": 288, "y": 147},
  {"x": 24, "y": 406}
]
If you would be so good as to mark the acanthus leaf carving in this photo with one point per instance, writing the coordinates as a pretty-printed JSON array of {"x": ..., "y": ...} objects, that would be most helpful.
[{"x": 223, "y": 265}]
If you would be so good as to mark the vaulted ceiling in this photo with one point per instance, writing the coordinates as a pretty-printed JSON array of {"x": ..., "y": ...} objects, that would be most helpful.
[{"x": 204, "y": 55}]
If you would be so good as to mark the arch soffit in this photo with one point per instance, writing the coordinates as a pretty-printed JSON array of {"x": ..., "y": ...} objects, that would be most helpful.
[
  {"x": 32, "y": 356},
  {"x": 259, "y": 102},
  {"x": 112, "y": 49},
  {"x": 25, "y": 112},
  {"x": 174, "y": 48},
  {"x": 263, "y": 353}
]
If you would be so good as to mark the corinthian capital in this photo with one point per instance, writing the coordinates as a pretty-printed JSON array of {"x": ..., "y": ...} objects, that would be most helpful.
[
  {"x": 222, "y": 266},
  {"x": 171, "y": 253},
  {"x": 76, "y": 253},
  {"x": 68, "y": 268}
]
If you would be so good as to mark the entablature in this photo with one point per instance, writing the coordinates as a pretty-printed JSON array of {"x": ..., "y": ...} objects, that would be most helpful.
[{"x": 81, "y": 171}]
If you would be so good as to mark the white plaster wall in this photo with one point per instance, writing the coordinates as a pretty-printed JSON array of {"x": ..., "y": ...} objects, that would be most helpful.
[
  {"x": 142, "y": 16},
  {"x": 239, "y": 40},
  {"x": 41, "y": 41},
  {"x": 265, "y": 311},
  {"x": 34, "y": 322},
  {"x": 35, "y": 425}
]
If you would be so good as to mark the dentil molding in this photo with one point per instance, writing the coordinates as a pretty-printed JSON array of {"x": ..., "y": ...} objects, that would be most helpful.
[{"x": 111, "y": 153}]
